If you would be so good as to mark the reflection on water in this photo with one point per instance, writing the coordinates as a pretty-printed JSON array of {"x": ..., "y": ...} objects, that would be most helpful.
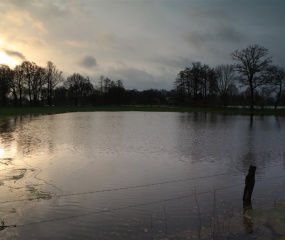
[{"x": 133, "y": 175}]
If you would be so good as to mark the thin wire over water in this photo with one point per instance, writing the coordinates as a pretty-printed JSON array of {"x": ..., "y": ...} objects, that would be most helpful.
[
  {"x": 135, "y": 186},
  {"x": 133, "y": 206}
]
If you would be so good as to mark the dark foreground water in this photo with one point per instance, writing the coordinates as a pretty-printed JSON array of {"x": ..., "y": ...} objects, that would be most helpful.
[{"x": 138, "y": 175}]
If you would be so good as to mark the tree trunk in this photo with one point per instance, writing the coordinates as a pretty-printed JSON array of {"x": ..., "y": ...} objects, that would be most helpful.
[
  {"x": 251, "y": 95},
  {"x": 278, "y": 97}
]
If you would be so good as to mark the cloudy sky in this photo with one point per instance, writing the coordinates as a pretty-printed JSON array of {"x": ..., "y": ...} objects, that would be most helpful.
[{"x": 145, "y": 43}]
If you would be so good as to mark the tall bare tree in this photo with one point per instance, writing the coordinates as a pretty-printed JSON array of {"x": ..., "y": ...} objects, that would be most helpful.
[
  {"x": 195, "y": 84},
  {"x": 34, "y": 78},
  {"x": 6, "y": 77},
  {"x": 181, "y": 86},
  {"x": 18, "y": 85},
  {"x": 79, "y": 89},
  {"x": 38, "y": 83},
  {"x": 275, "y": 77},
  {"x": 250, "y": 65},
  {"x": 225, "y": 80},
  {"x": 53, "y": 77}
]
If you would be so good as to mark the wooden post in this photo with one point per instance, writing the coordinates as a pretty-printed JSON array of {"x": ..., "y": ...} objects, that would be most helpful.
[{"x": 249, "y": 185}]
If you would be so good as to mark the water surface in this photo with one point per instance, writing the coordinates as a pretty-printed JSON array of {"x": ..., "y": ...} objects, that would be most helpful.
[{"x": 135, "y": 175}]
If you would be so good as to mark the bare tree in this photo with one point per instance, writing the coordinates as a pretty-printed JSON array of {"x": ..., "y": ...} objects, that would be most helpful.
[
  {"x": 196, "y": 78},
  {"x": 34, "y": 79},
  {"x": 250, "y": 65},
  {"x": 119, "y": 92},
  {"x": 29, "y": 70},
  {"x": 79, "y": 89},
  {"x": 208, "y": 83},
  {"x": 6, "y": 77},
  {"x": 275, "y": 77},
  {"x": 195, "y": 84},
  {"x": 225, "y": 80},
  {"x": 38, "y": 83},
  {"x": 53, "y": 77},
  {"x": 181, "y": 87},
  {"x": 18, "y": 86}
]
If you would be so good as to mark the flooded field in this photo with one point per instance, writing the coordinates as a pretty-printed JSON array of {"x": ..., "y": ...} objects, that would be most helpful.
[{"x": 141, "y": 175}]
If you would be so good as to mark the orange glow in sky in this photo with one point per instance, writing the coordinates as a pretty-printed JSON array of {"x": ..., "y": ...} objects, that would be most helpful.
[
  {"x": 5, "y": 59},
  {"x": 2, "y": 152}
]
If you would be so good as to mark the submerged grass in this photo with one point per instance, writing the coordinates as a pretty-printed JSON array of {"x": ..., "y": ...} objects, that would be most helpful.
[
  {"x": 18, "y": 111},
  {"x": 21, "y": 174},
  {"x": 40, "y": 195}
]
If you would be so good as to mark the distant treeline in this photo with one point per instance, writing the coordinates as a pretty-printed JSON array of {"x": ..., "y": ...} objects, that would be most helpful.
[
  {"x": 32, "y": 85},
  {"x": 250, "y": 81}
]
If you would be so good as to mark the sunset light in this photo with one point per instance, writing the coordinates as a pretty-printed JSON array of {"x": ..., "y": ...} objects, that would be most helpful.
[
  {"x": 2, "y": 152},
  {"x": 142, "y": 119},
  {"x": 5, "y": 59}
]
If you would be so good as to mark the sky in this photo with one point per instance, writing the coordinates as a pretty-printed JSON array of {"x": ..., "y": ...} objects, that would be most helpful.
[{"x": 144, "y": 43}]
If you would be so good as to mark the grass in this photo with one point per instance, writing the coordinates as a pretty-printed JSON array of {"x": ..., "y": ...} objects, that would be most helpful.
[
  {"x": 19, "y": 176},
  {"x": 14, "y": 111}
]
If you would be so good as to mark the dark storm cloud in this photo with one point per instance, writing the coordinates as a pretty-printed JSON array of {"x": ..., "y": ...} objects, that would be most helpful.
[
  {"x": 88, "y": 62},
  {"x": 230, "y": 34},
  {"x": 143, "y": 43},
  {"x": 224, "y": 34},
  {"x": 15, "y": 54}
]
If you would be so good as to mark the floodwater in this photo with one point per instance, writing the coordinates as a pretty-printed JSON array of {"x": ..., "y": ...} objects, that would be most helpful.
[{"x": 138, "y": 175}]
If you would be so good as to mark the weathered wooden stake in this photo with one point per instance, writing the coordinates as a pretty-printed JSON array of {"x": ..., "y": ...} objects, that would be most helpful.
[{"x": 249, "y": 185}]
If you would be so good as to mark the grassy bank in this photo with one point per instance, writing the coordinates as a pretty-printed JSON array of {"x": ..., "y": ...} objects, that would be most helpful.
[{"x": 13, "y": 111}]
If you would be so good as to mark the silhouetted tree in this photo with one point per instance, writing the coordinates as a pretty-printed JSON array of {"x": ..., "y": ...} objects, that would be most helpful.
[
  {"x": 116, "y": 92},
  {"x": 180, "y": 86},
  {"x": 100, "y": 89},
  {"x": 107, "y": 84},
  {"x": 18, "y": 85},
  {"x": 119, "y": 92},
  {"x": 29, "y": 70},
  {"x": 60, "y": 96},
  {"x": 87, "y": 90},
  {"x": 34, "y": 80},
  {"x": 195, "y": 85},
  {"x": 282, "y": 98},
  {"x": 131, "y": 97},
  {"x": 153, "y": 97},
  {"x": 109, "y": 91},
  {"x": 225, "y": 82},
  {"x": 275, "y": 78},
  {"x": 38, "y": 83},
  {"x": 103, "y": 88},
  {"x": 53, "y": 77},
  {"x": 196, "y": 77},
  {"x": 250, "y": 65},
  {"x": 6, "y": 78},
  {"x": 209, "y": 83},
  {"x": 79, "y": 89}
]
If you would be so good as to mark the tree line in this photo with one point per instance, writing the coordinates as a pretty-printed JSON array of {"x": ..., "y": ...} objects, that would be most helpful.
[
  {"x": 250, "y": 81},
  {"x": 30, "y": 84}
]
